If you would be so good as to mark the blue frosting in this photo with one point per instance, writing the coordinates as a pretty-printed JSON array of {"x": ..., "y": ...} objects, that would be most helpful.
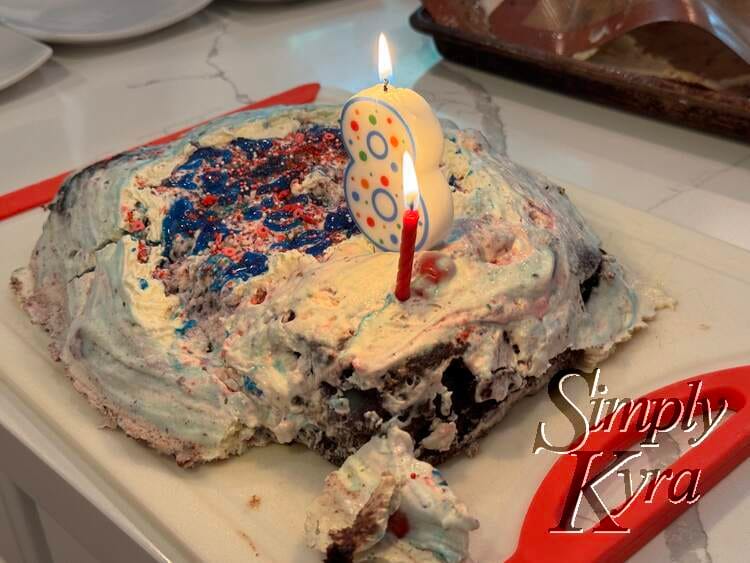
[
  {"x": 341, "y": 220},
  {"x": 222, "y": 269},
  {"x": 279, "y": 184},
  {"x": 252, "y": 176},
  {"x": 251, "y": 387},
  {"x": 180, "y": 220},
  {"x": 281, "y": 221},
  {"x": 253, "y": 148},
  {"x": 186, "y": 327},
  {"x": 252, "y": 213}
]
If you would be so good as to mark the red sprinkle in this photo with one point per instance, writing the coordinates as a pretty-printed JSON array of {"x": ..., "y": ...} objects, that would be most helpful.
[
  {"x": 463, "y": 336},
  {"x": 429, "y": 269},
  {"x": 413, "y": 475},
  {"x": 398, "y": 524},
  {"x": 209, "y": 200},
  {"x": 142, "y": 254},
  {"x": 259, "y": 296}
]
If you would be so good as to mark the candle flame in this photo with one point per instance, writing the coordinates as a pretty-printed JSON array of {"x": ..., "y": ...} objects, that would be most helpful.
[
  {"x": 385, "y": 69},
  {"x": 410, "y": 183}
]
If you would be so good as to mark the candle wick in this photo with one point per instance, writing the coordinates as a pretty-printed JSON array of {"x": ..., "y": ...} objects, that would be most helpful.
[{"x": 385, "y": 84}]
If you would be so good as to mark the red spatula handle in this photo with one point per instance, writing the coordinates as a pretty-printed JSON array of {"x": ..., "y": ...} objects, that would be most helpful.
[{"x": 721, "y": 451}]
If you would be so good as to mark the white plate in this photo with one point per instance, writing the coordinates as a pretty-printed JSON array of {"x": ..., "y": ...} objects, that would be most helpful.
[
  {"x": 19, "y": 56},
  {"x": 203, "y": 513},
  {"x": 94, "y": 21}
]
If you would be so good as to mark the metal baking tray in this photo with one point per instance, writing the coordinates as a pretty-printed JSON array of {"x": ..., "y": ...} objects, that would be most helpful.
[{"x": 718, "y": 112}]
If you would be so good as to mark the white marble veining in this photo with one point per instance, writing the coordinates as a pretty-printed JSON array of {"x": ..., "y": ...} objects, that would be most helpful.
[{"x": 87, "y": 102}]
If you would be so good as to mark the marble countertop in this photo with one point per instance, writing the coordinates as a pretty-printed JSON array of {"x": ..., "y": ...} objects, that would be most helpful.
[{"x": 88, "y": 102}]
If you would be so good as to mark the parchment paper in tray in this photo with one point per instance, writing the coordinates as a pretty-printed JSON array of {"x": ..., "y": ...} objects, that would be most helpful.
[
  {"x": 645, "y": 56},
  {"x": 703, "y": 42},
  {"x": 569, "y": 27}
]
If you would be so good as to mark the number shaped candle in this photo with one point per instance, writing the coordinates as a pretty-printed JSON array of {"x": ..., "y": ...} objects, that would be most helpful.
[{"x": 378, "y": 124}]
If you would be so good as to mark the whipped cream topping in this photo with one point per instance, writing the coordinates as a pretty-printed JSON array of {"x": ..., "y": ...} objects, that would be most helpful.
[
  {"x": 156, "y": 276},
  {"x": 385, "y": 505}
]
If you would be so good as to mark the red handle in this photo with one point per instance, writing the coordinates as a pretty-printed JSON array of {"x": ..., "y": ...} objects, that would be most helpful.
[{"x": 721, "y": 451}]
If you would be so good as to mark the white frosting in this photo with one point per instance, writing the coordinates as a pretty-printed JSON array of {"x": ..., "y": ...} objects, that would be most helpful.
[
  {"x": 442, "y": 436},
  {"x": 384, "y": 477},
  {"x": 218, "y": 381},
  {"x": 144, "y": 297}
]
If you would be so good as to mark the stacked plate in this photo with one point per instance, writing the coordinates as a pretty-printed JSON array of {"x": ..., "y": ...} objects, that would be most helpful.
[
  {"x": 20, "y": 56},
  {"x": 78, "y": 22}
]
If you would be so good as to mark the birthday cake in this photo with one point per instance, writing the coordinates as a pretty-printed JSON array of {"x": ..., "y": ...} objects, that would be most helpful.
[{"x": 215, "y": 293}]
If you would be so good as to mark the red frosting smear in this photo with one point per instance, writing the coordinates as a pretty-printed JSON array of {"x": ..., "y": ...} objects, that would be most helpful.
[
  {"x": 429, "y": 268},
  {"x": 209, "y": 200},
  {"x": 143, "y": 252},
  {"x": 398, "y": 524}
]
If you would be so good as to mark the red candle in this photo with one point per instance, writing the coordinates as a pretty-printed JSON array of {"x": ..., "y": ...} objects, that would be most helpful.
[{"x": 406, "y": 256}]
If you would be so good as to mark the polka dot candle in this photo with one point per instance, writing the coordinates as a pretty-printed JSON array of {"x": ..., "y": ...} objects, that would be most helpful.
[{"x": 378, "y": 124}]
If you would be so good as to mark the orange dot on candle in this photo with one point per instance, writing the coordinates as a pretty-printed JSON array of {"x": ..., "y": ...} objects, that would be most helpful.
[
  {"x": 389, "y": 120},
  {"x": 394, "y": 141},
  {"x": 364, "y": 183},
  {"x": 384, "y": 180},
  {"x": 371, "y": 221},
  {"x": 354, "y": 125}
]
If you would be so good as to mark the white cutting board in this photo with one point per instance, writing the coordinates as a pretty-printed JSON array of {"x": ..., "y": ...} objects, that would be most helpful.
[{"x": 204, "y": 511}]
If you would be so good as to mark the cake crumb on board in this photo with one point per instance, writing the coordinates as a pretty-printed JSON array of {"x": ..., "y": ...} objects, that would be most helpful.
[
  {"x": 254, "y": 502},
  {"x": 249, "y": 541},
  {"x": 472, "y": 449}
]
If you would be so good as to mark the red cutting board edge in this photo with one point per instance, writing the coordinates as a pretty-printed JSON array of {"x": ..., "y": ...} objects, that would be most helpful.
[
  {"x": 721, "y": 453},
  {"x": 44, "y": 191}
]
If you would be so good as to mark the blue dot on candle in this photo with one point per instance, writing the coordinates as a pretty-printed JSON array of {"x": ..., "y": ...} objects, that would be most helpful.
[
  {"x": 394, "y": 166},
  {"x": 376, "y": 145},
  {"x": 355, "y": 196},
  {"x": 385, "y": 205},
  {"x": 394, "y": 239}
]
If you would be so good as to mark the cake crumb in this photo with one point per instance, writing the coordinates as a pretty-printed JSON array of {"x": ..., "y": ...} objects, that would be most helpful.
[
  {"x": 254, "y": 502},
  {"x": 249, "y": 541},
  {"x": 472, "y": 449},
  {"x": 704, "y": 326}
]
